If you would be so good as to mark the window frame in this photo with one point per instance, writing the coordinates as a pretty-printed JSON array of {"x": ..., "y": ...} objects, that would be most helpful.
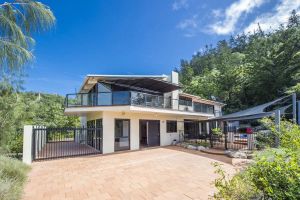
[
  {"x": 169, "y": 128},
  {"x": 116, "y": 148}
]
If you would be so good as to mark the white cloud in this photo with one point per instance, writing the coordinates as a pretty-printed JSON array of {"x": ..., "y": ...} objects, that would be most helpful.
[
  {"x": 232, "y": 15},
  {"x": 189, "y": 26},
  {"x": 188, "y": 23},
  {"x": 273, "y": 19},
  {"x": 179, "y": 4},
  {"x": 217, "y": 13}
]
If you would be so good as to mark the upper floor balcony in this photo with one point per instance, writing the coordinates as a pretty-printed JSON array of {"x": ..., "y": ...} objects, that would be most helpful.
[{"x": 134, "y": 98}]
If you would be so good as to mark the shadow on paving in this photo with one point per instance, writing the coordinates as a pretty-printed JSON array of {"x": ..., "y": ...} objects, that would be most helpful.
[{"x": 221, "y": 158}]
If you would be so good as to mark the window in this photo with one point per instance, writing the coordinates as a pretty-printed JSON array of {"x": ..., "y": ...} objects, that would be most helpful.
[
  {"x": 99, "y": 133},
  {"x": 90, "y": 132},
  {"x": 171, "y": 126},
  {"x": 204, "y": 108},
  {"x": 121, "y": 98},
  {"x": 90, "y": 124},
  {"x": 185, "y": 101},
  {"x": 102, "y": 87}
]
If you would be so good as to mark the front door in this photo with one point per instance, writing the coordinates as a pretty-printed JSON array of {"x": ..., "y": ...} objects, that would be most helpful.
[
  {"x": 153, "y": 133},
  {"x": 191, "y": 129},
  {"x": 149, "y": 132}
]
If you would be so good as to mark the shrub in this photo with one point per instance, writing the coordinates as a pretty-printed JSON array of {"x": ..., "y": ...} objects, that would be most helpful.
[
  {"x": 203, "y": 143},
  {"x": 15, "y": 143},
  {"x": 217, "y": 132},
  {"x": 288, "y": 134},
  {"x": 276, "y": 173},
  {"x": 239, "y": 187},
  {"x": 264, "y": 139},
  {"x": 12, "y": 178},
  {"x": 199, "y": 143}
]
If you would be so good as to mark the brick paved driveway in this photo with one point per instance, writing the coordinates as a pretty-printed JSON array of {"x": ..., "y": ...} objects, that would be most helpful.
[{"x": 160, "y": 173}]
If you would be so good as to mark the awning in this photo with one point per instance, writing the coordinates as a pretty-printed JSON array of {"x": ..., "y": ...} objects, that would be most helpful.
[
  {"x": 259, "y": 111},
  {"x": 152, "y": 83},
  {"x": 146, "y": 83}
]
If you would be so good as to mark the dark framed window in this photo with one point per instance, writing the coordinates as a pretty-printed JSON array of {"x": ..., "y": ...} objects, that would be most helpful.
[
  {"x": 171, "y": 126},
  {"x": 90, "y": 132},
  {"x": 99, "y": 133},
  {"x": 204, "y": 108},
  {"x": 122, "y": 134},
  {"x": 184, "y": 101},
  {"x": 90, "y": 124}
]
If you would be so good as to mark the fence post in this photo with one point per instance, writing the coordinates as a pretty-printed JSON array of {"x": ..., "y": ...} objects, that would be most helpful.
[
  {"x": 225, "y": 130},
  {"x": 250, "y": 141},
  {"x": 225, "y": 138},
  {"x": 298, "y": 113},
  {"x": 27, "y": 144},
  {"x": 277, "y": 123},
  {"x": 294, "y": 100}
]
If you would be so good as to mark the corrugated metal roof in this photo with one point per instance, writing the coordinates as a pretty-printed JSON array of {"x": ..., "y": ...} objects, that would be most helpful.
[{"x": 110, "y": 77}]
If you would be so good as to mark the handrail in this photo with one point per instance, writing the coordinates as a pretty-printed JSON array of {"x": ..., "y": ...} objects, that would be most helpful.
[{"x": 130, "y": 98}]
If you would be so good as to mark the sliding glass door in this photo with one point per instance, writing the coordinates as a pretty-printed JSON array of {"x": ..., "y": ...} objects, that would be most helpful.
[{"x": 122, "y": 134}]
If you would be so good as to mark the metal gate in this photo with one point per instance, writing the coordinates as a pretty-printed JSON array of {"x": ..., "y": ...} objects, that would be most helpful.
[
  {"x": 49, "y": 143},
  {"x": 230, "y": 137}
]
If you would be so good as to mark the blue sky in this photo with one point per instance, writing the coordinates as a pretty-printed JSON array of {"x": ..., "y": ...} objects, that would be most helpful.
[{"x": 138, "y": 36}]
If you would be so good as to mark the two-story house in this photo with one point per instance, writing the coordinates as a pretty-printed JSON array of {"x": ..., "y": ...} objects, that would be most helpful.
[{"x": 136, "y": 111}]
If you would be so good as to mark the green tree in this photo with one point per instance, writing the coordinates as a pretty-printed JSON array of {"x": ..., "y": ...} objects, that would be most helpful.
[
  {"x": 18, "y": 19},
  {"x": 247, "y": 70}
]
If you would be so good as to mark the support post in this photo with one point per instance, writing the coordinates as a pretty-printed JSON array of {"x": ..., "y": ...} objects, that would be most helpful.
[
  {"x": 27, "y": 144},
  {"x": 225, "y": 132},
  {"x": 250, "y": 141},
  {"x": 200, "y": 128},
  {"x": 277, "y": 123},
  {"x": 294, "y": 99}
]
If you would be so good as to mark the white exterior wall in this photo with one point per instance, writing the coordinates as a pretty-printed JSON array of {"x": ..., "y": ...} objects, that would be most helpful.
[
  {"x": 175, "y": 93},
  {"x": 83, "y": 121},
  {"x": 108, "y": 135},
  {"x": 218, "y": 110},
  {"x": 109, "y": 127}
]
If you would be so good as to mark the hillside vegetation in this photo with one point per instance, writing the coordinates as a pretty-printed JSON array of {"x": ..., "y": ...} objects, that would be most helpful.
[
  {"x": 247, "y": 70},
  {"x": 28, "y": 108}
]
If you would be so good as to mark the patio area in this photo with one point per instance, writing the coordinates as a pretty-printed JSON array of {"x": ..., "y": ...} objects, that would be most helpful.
[
  {"x": 158, "y": 173},
  {"x": 64, "y": 149}
]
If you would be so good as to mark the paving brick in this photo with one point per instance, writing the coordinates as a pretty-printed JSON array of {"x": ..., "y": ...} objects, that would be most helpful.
[{"x": 159, "y": 173}]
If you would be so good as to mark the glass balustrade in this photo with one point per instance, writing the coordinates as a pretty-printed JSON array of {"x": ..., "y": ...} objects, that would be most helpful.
[{"x": 134, "y": 98}]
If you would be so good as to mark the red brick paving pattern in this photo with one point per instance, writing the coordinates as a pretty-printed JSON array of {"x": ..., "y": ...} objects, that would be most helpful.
[{"x": 159, "y": 173}]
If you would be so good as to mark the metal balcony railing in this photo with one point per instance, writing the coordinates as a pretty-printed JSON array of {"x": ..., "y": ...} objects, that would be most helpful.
[{"x": 119, "y": 98}]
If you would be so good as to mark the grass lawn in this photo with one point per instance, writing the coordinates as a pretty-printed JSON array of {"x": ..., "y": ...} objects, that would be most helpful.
[{"x": 13, "y": 174}]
